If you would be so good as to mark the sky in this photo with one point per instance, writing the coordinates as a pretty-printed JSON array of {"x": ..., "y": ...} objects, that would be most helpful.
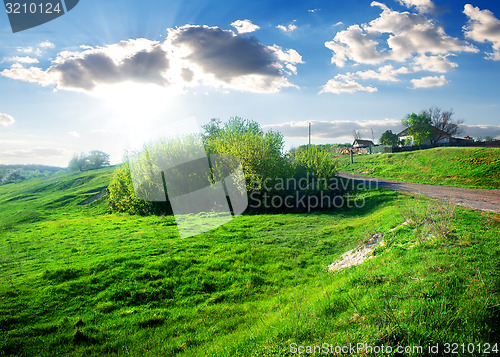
[{"x": 111, "y": 75}]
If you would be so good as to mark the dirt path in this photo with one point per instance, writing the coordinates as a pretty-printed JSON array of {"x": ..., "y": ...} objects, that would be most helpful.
[{"x": 485, "y": 200}]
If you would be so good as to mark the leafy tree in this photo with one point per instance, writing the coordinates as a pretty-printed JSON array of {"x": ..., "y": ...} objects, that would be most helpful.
[
  {"x": 94, "y": 160},
  {"x": 97, "y": 159},
  {"x": 78, "y": 162},
  {"x": 261, "y": 153},
  {"x": 12, "y": 176},
  {"x": 419, "y": 127},
  {"x": 442, "y": 120},
  {"x": 211, "y": 129},
  {"x": 389, "y": 138}
]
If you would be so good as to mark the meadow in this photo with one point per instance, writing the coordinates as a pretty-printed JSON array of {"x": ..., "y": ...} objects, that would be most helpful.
[
  {"x": 77, "y": 280},
  {"x": 447, "y": 166}
]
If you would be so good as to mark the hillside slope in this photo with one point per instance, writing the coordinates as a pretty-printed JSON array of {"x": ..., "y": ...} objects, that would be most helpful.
[
  {"x": 59, "y": 195},
  {"x": 76, "y": 280},
  {"x": 459, "y": 167}
]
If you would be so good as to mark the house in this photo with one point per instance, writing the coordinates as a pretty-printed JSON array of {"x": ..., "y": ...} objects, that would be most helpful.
[
  {"x": 358, "y": 143},
  {"x": 438, "y": 137}
]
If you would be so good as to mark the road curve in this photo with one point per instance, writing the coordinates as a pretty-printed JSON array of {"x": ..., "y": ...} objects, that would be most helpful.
[{"x": 481, "y": 199}]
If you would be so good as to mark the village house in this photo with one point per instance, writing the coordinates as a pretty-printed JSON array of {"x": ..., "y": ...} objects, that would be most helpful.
[
  {"x": 358, "y": 143},
  {"x": 439, "y": 137}
]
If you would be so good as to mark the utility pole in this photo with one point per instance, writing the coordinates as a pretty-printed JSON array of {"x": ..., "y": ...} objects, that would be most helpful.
[
  {"x": 309, "y": 147},
  {"x": 373, "y": 137}
]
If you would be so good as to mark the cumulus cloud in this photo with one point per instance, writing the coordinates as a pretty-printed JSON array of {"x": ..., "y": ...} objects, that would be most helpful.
[
  {"x": 244, "y": 26},
  {"x": 221, "y": 58},
  {"x": 407, "y": 34},
  {"x": 339, "y": 131},
  {"x": 483, "y": 26},
  {"x": 430, "y": 81},
  {"x": 424, "y": 6},
  {"x": 356, "y": 45},
  {"x": 313, "y": 11},
  {"x": 386, "y": 73},
  {"x": 439, "y": 64},
  {"x": 345, "y": 84},
  {"x": 18, "y": 59},
  {"x": 191, "y": 55},
  {"x": 46, "y": 44},
  {"x": 288, "y": 28},
  {"x": 6, "y": 119}
]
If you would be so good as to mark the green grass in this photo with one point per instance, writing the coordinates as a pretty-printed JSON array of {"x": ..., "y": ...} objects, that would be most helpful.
[
  {"x": 459, "y": 167},
  {"x": 78, "y": 281}
]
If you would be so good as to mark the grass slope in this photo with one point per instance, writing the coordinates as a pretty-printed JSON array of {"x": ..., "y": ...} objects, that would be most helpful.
[
  {"x": 459, "y": 167},
  {"x": 75, "y": 280}
]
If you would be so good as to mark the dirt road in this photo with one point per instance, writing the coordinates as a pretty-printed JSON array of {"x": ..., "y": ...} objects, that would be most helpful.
[{"x": 485, "y": 200}]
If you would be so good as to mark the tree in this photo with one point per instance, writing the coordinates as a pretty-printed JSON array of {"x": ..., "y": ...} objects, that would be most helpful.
[
  {"x": 97, "y": 159},
  {"x": 356, "y": 135},
  {"x": 94, "y": 160},
  {"x": 389, "y": 138},
  {"x": 78, "y": 162},
  {"x": 419, "y": 127},
  {"x": 442, "y": 120},
  {"x": 261, "y": 153}
]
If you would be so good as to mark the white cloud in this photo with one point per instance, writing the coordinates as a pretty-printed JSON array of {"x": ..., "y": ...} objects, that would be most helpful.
[
  {"x": 244, "y": 26},
  {"x": 424, "y": 6},
  {"x": 19, "y": 59},
  {"x": 439, "y": 64},
  {"x": 30, "y": 50},
  {"x": 32, "y": 74},
  {"x": 431, "y": 81},
  {"x": 46, "y": 44},
  {"x": 386, "y": 73},
  {"x": 356, "y": 45},
  {"x": 74, "y": 134},
  {"x": 483, "y": 26},
  {"x": 394, "y": 35},
  {"x": 345, "y": 84},
  {"x": 25, "y": 49},
  {"x": 190, "y": 56},
  {"x": 313, "y": 11},
  {"x": 6, "y": 119},
  {"x": 289, "y": 28}
]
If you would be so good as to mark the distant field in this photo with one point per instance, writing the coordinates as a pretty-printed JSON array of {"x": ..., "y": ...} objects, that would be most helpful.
[
  {"x": 78, "y": 281},
  {"x": 459, "y": 167}
]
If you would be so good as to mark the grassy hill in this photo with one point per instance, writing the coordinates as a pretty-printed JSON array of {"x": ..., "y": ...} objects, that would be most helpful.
[
  {"x": 459, "y": 167},
  {"x": 77, "y": 280}
]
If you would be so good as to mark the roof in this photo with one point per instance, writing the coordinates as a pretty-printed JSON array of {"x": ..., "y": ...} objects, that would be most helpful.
[{"x": 364, "y": 142}]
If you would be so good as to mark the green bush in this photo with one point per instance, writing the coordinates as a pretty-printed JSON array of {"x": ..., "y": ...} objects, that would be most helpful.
[{"x": 122, "y": 196}]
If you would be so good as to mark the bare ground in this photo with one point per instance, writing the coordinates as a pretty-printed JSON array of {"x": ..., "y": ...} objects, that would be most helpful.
[{"x": 480, "y": 199}]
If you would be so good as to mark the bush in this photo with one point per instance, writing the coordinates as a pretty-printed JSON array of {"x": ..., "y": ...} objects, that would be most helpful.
[
  {"x": 122, "y": 196},
  {"x": 261, "y": 153}
]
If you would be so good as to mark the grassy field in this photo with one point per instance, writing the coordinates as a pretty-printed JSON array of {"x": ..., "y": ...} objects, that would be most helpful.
[
  {"x": 76, "y": 280},
  {"x": 459, "y": 167}
]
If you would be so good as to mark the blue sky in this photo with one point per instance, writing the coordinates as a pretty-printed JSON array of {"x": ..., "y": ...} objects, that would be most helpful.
[{"x": 110, "y": 75}]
